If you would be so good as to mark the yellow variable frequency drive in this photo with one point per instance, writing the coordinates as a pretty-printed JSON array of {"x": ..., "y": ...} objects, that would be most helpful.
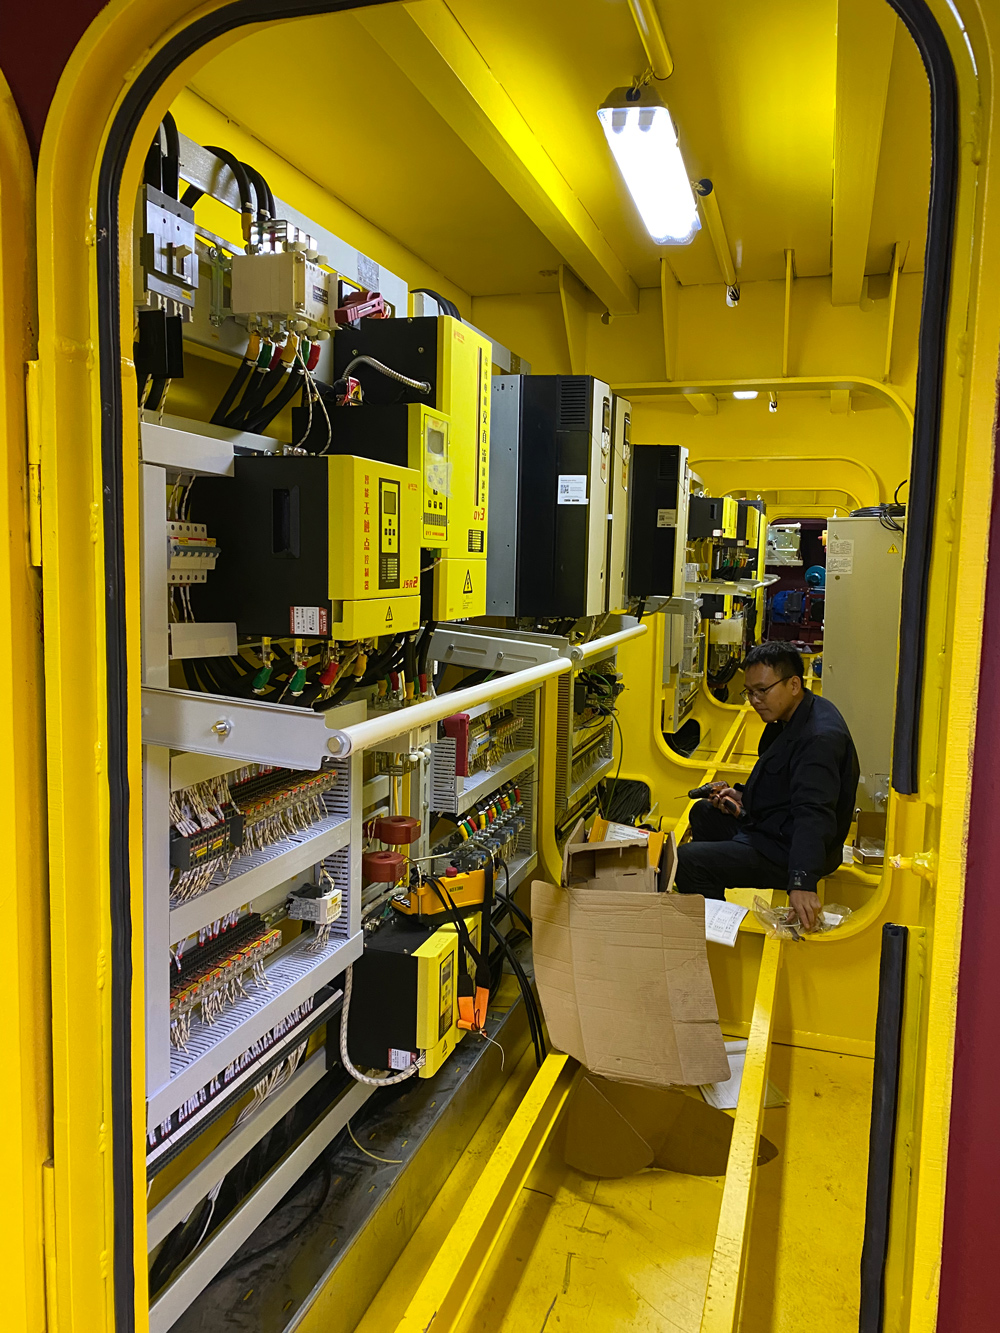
[
  {"x": 315, "y": 547},
  {"x": 443, "y": 430},
  {"x": 374, "y": 547}
]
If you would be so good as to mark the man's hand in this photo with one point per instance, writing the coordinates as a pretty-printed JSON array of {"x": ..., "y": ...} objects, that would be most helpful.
[
  {"x": 805, "y": 906},
  {"x": 727, "y": 799}
]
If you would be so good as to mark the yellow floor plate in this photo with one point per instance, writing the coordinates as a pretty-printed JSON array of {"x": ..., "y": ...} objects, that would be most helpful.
[{"x": 595, "y": 1256}]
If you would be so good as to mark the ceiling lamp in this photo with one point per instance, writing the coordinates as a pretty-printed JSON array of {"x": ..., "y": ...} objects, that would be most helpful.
[
  {"x": 744, "y": 393},
  {"x": 642, "y": 138}
]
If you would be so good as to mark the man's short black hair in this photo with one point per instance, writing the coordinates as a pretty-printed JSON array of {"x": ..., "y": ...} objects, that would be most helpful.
[{"x": 781, "y": 657}]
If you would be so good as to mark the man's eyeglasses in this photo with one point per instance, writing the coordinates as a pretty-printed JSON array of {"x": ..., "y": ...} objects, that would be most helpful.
[{"x": 758, "y": 696}]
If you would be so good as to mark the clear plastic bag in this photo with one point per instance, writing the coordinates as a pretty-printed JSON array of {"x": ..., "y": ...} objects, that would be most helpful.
[{"x": 781, "y": 922}]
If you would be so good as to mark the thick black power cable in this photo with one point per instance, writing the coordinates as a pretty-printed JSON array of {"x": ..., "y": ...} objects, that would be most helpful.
[
  {"x": 534, "y": 1018},
  {"x": 300, "y": 1226},
  {"x": 243, "y": 371},
  {"x": 192, "y": 194},
  {"x": 449, "y": 307},
  {"x": 259, "y": 421},
  {"x": 265, "y": 200}
]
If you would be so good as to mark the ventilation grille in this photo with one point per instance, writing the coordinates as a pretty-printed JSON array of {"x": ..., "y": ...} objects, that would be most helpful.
[
  {"x": 526, "y": 707},
  {"x": 526, "y": 838},
  {"x": 564, "y": 715},
  {"x": 444, "y": 784},
  {"x": 574, "y": 400}
]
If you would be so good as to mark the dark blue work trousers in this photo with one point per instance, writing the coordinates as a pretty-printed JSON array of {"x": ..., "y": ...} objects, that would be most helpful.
[{"x": 721, "y": 857}]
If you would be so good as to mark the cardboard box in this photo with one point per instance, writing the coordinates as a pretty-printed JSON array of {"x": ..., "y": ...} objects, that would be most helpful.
[
  {"x": 601, "y": 830},
  {"x": 620, "y": 864},
  {"x": 622, "y": 971}
]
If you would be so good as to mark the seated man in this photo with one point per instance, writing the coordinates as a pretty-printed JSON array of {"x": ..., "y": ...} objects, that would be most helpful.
[{"x": 785, "y": 828}]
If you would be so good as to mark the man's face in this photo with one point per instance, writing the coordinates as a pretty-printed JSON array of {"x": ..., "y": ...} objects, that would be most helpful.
[{"x": 774, "y": 697}]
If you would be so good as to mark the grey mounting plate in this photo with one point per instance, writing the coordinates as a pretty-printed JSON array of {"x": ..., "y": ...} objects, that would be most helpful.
[
  {"x": 498, "y": 649},
  {"x": 259, "y": 732}
]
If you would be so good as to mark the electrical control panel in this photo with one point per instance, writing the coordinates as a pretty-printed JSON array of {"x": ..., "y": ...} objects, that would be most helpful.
[
  {"x": 658, "y": 521},
  {"x": 443, "y": 428},
  {"x": 555, "y": 432},
  {"x": 316, "y": 546}
]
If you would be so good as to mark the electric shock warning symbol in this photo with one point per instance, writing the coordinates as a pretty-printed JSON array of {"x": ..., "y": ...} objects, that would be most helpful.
[
  {"x": 388, "y": 615},
  {"x": 893, "y": 550},
  {"x": 467, "y": 587}
]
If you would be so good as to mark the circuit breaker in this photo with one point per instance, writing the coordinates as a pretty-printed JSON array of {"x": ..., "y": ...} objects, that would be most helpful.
[
  {"x": 444, "y": 433},
  {"x": 325, "y": 547},
  {"x": 657, "y": 536},
  {"x": 552, "y": 442}
]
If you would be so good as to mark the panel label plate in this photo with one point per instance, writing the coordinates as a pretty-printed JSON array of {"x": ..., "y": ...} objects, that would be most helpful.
[
  {"x": 572, "y": 488},
  {"x": 308, "y": 620}
]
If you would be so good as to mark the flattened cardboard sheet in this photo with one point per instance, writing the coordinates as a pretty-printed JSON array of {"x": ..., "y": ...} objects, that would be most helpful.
[{"x": 624, "y": 983}]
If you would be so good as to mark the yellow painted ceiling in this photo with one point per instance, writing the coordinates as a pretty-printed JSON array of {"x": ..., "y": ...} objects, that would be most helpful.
[{"x": 752, "y": 94}]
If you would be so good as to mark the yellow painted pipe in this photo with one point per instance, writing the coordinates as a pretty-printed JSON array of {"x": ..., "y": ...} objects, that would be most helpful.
[
  {"x": 709, "y": 201},
  {"x": 661, "y": 62}
]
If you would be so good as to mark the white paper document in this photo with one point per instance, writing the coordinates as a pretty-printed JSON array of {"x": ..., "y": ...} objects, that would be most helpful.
[
  {"x": 722, "y": 921},
  {"x": 724, "y": 1096}
]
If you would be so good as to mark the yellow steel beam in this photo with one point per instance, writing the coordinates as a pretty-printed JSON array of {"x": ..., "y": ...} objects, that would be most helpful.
[
  {"x": 865, "y": 35},
  {"x": 647, "y": 20},
  {"x": 898, "y": 255},
  {"x": 573, "y": 298},
  {"x": 724, "y": 1297},
  {"x": 433, "y": 50},
  {"x": 840, "y": 400},
  {"x": 789, "y": 274},
  {"x": 705, "y": 404},
  {"x": 640, "y": 389},
  {"x": 668, "y": 305},
  {"x": 443, "y": 1295}
]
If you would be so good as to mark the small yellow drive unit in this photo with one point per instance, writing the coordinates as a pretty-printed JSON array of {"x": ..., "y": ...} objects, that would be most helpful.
[{"x": 404, "y": 1003}]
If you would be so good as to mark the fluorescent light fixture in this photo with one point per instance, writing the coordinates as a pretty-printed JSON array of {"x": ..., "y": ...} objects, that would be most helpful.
[
  {"x": 642, "y": 138},
  {"x": 744, "y": 393}
]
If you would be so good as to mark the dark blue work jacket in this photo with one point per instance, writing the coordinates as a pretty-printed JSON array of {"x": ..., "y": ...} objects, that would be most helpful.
[{"x": 799, "y": 799}]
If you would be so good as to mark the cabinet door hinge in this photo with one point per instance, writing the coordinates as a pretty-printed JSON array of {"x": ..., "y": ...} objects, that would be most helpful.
[{"x": 33, "y": 403}]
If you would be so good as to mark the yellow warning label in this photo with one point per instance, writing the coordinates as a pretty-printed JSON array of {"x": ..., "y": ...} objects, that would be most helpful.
[
  {"x": 467, "y": 587},
  {"x": 893, "y": 550},
  {"x": 388, "y": 615}
]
